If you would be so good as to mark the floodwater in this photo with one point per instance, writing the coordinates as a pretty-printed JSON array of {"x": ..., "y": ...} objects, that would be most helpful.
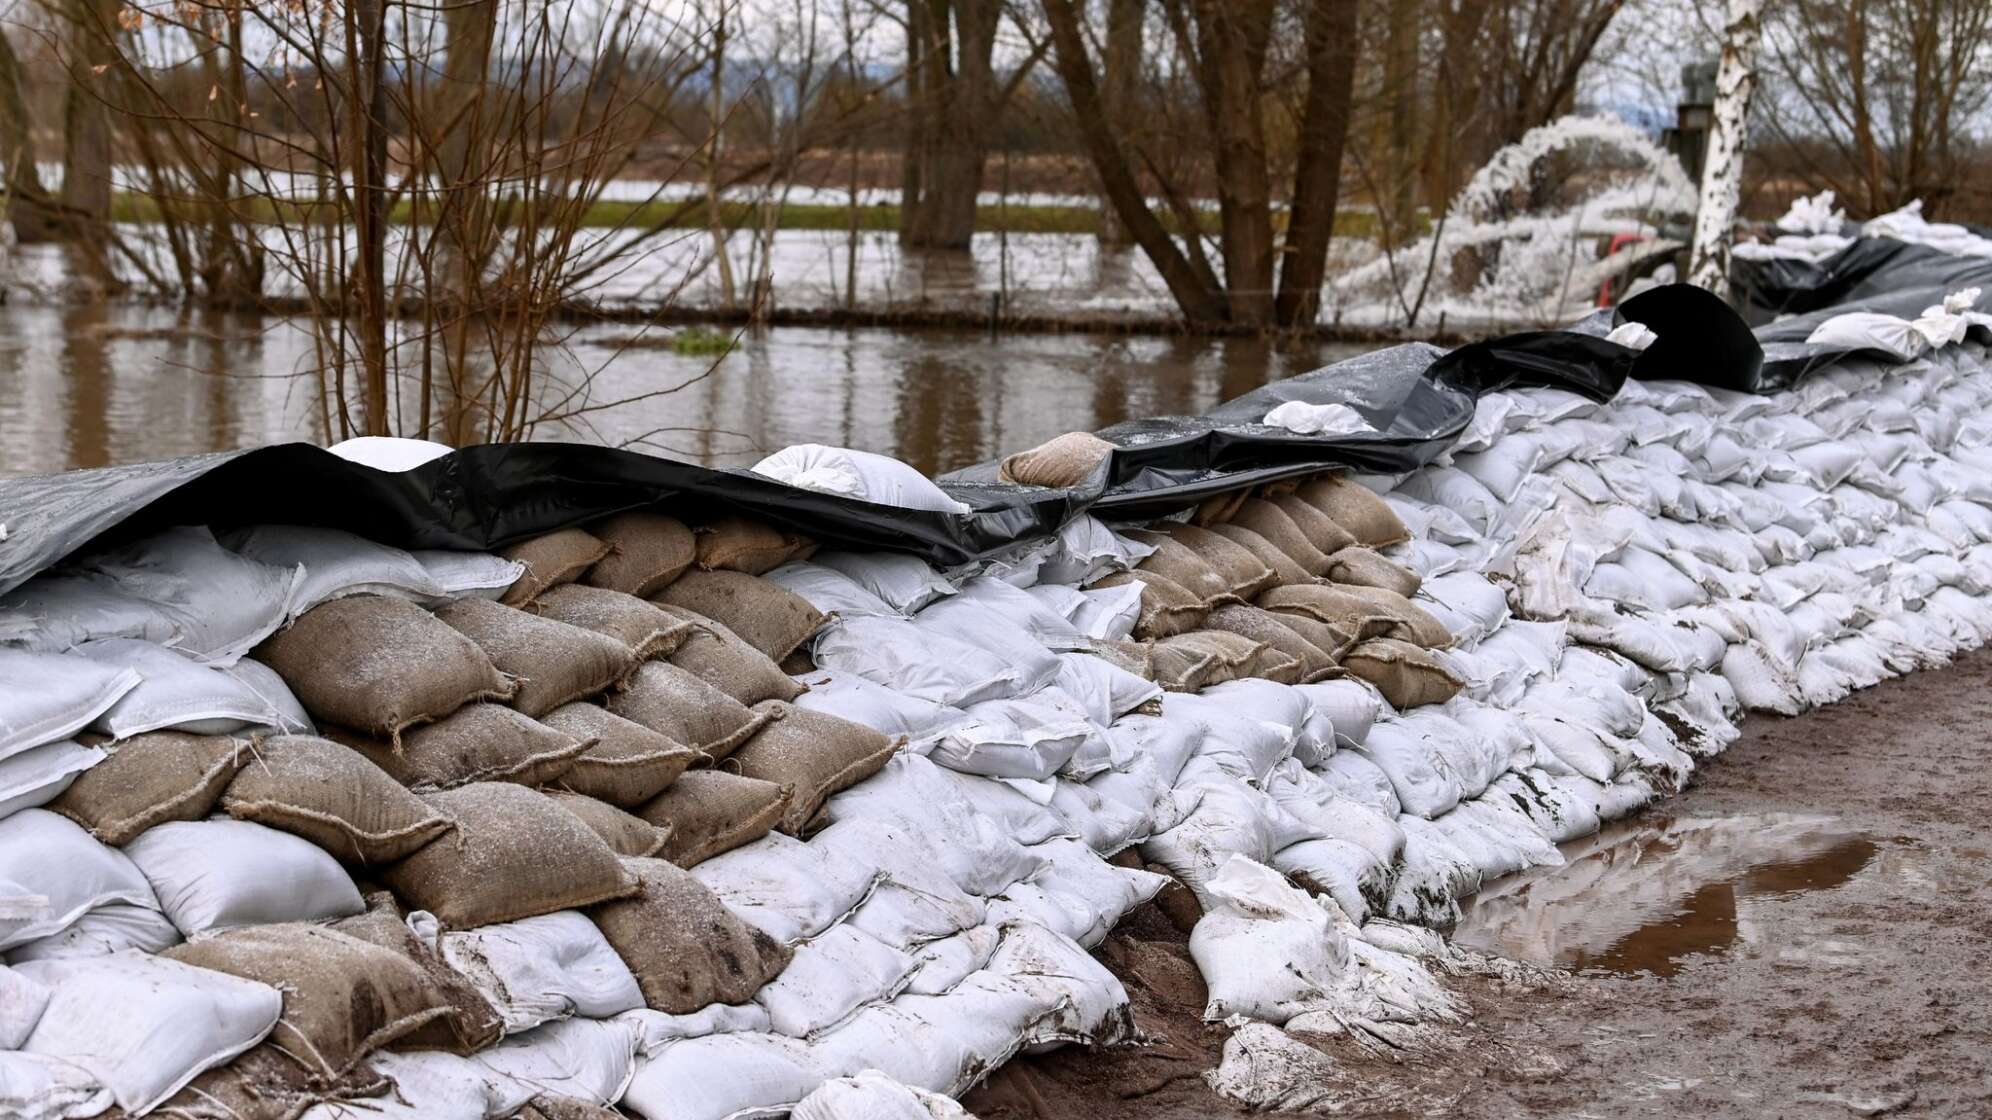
[
  {"x": 1645, "y": 896},
  {"x": 95, "y": 384}
]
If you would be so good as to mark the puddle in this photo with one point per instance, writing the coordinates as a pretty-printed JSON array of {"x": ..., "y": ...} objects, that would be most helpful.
[{"x": 1644, "y": 896}]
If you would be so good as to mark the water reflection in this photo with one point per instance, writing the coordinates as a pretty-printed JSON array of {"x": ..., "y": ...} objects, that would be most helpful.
[
  {"x": 1647, "y": 896},
  {"x": 92, "y": 384}
]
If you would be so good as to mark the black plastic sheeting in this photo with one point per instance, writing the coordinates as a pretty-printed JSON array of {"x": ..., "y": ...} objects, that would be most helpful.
[
  {"x": 1416, "y": 397},
  {"x": 1792, "y": 297}
]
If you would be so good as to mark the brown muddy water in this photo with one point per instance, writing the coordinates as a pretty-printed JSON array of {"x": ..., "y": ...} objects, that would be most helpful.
[
  {"x": 1645, "y": 895},
  {"x": 95, "y": 384}
]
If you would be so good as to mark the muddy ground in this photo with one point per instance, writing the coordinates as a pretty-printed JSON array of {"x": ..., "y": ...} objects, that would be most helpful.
[{"x": 1852, "y": 979}]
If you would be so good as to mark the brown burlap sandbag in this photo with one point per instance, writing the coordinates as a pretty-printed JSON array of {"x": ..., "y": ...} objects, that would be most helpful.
[
  {"x": 1286, "y": 570},
  {"x": 709, "y": 812},
  {"x": 1173, "y": 561},
  {"x": 627, "y": 763},
  {"x": 685, "y": 947},
  {"x": 646, "y": 552},
  {"x": 1270, "y": 521},
  {"x": 556, "y": 558},
  {"x": 1180, "y": 668},
  {"x": 1244, "y": 572},
  {"x": 263, "y": 1083},
  {"x": 481, "y": 743},
  {"x": 344, "y": 998},
  {"x": 1353, "y": 506},
  {"x": 765, "y": 615},
  {"x": 815, "y": 754},
  {"x": 1362, "y": 611},
  {"x": 1215, "y": 511},
  {"x": 740, "y": 544},
  {"x": 151, "y": 779},
  {"x": 1166, "y": 606},
  {"x": 515, "y": 855},
  {"x": 1333, "y": 639},
  {"x": 624, "y": 833},
  {"x": 334, "y": 797},
  {"x": 1061, "y": 462},
  {"x": 472, "y": 1023},
  {"x": 1261, "y": 625},
  {"x": 380, "y": 665},
  {"x": 552, "y": 661},
  {"x": 1320, "y": 530},
  {"x": 1406, "y": 674},
  {"x": 1127, "y": 656},
  {"x": 685, "y": 709},
  {"x": 1230, "y": 655},
  {"x": 634, "y": 622},
  {"x": 1364, "y": 567},
  {"x": 715, "y": 654}
]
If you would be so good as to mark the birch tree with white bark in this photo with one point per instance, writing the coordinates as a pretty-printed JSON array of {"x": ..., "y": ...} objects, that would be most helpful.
[{"x": 1722, "y": 171}]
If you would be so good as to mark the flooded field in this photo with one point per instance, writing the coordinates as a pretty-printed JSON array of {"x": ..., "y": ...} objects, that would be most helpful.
[{"x": 88, "y": 385}]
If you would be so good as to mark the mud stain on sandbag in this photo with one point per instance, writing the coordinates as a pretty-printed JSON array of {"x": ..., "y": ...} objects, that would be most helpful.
[{"x": 1649, "y": 895}]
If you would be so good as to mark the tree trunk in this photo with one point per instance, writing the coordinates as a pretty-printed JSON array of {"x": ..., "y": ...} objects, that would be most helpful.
[
  {"x": 29, "y": 206},
  {"x": 1400, "y": 83},
  {"x": 1122, "y": 81},
  {"x": 366, "y": 33},
  {"x": 1330, "y": 38},
  {"x": 86, "y": 153},
  {"x": 1199, "y": 302},
  {"x": 1722, "y": 175},
  {"x": 1231, "y": 38},
  {"x": 1452, "y": 98}
]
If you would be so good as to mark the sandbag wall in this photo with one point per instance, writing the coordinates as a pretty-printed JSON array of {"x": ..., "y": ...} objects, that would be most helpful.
[{"x": 706, "y": 823}]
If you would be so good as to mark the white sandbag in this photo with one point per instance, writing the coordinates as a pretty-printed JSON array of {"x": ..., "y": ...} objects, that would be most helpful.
[
  {"x": 859, "y": 700},
  {"x": 1355, "y": 776},
  {"x": 1013, "y": 739},
  {"x": 110, "y": 928},
  {"x": 431, "y": 1085},
  {"x": 1350, "y": 706},
  {"x": 913, "y": 805},
  {"x": 906, "y": 583},
  {"x": 871, "y": 1095},
  {"x": 1267, "y": 1070},
  {"x": 38, "y": 775},
  {"x": 1105, "y": 825},
  {"x": 1425, "y": 783},
  {"x": 830, "y": 979},
  {"x": 1092, "y": 1004},
  {"x": 336, "y": 563},
  {"x": 34, "y": 1087},
  {"x": 145, "y": 1050},
  {"x": 586, "y": 1059},
  {"x": 1566, "y": 747},
  {"x": 477, "y": 575},
  {"x": 1248, "y": 729},
  {"x": 1230, "y": 818},
  {"x": 219, "y": 874},
  {"x": 389, "y": 453},
  {"x": 537, "y": 970},
  {"x": 1078, "y": 894},
  {"x": 944, "y": 1044},
  {"x": 789, "y": 889},
  {"x": 1870, "y": 331},
  {"x": 984, "y": 627},
  {"x": 941, "y": 965},
  {"x": 1350, "y": 875},
  {"x": 1302, "y": 418},
  {"x": 178, "y": 588},
  {"x": 1102, "y": 613},
  {"x": 864, "y": 475},
  {"x": 1319, "y": 805},
  {"x": 738, "y": 1076},
  {"x": 51, "y": 696},
  {"x": 181, "y": 694},
  {"x": 917, "y": 661},
  {"x": 22, "y": 999},
  {"x": 656, "y": 1030},
  {"x": 1021, "y": 607},
  {"x": 1266, "y": 950},
  {"x": 52, "y": 872},
  {"x": 906, "y": 916},
  {"x": 829, "y": 590},
  {"x": 1106, "y": 691},
  {"x": 1472, "y": 597}
]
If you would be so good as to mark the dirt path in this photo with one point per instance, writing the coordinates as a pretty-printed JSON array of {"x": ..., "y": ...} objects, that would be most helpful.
[{"x": 1844, "y": 973}]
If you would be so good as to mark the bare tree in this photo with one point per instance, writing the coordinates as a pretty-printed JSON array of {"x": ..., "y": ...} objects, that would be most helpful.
[
  {"x": 954, "y": 96},
  {"x": 1722, "y": 177},
  {"x": 1226, "y": 48},
  {"x": 1876, "y": 99}
]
